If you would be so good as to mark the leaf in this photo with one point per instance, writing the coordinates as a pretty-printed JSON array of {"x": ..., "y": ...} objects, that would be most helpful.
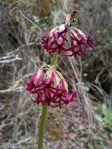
[
  {"x": 109, "y": 39},
  {"x": 87, "y": 98},
  {"x": 36, "y": 20},
  {"x": 104, "y": 147},
  {"x": 99, "y": 118},
  {"x": 79, "y": 83},
  {"x": 108, "y": 118},
  {"x": 69, "y": 141},
  {"x": 110, "y": 11},
  {"x": 98, "y": 32},
  {"x": 104, "y": 110},
  {"x": 86, "y": 88}
]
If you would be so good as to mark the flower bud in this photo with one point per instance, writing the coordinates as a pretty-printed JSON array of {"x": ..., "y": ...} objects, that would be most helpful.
[
  {"x": 74, "y": 35},
  {"x": 56, "y": 80},
  {"x": 54, "y": 30},
  {"x": 61, "y": 27},
  {"x": 38, "y": 75},
  {"x": 49, "y": 73},
  {"x": 81, "y": 34}
]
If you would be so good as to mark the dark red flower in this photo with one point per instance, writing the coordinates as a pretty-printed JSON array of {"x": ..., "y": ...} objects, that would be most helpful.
[
  {"x": 88, "y": 40},
  {"x": 49, "y": 89},
  {"x": 55, "y": 41},
  {"x": 30, "y": 85}
]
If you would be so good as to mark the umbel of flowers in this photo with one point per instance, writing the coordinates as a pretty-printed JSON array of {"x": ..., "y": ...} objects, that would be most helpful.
[
  {"x": 50, "y": 88},
  {"x": 56, "y": 40}
]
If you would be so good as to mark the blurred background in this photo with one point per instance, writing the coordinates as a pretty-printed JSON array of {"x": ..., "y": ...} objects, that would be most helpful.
[{"x": 87, "y": 122}]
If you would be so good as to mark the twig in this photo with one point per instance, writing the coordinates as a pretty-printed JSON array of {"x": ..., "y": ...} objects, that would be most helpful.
[
  {"x": 15, "y": 51},
  {"x": 17, "y": 89},
  {"x": 23, "y": 141},
  {"x": 2, "y": 107},
  {"x": 30, "y": 21},
  {"x": 8, "y": 59}
]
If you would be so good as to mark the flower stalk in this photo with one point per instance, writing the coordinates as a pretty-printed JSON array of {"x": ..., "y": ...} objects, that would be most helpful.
[
  {"x": 44, "y": 112},
  {"x": 55, "y": 59},
  {"x": 42, "y": 126}
]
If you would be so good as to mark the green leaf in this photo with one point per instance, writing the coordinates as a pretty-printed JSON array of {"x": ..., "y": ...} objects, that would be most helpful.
[
  {"x": 29, "y": 122},
  {"x": 104, "y": 110},
  {"x": 104, "y": 147},
  {"x": 31, "y": 27},
  {"x": 99, "y": 118},
  {"x": 86, "y": 98},
  {"x": 110, "y": 11},
  {"x": 98, "y": 32},
  {"x": 69, "y": 146},
  {"x": 96, "y": 137},
  {"x": 36, "y": 20},
  {"x": 69, "y": 141},
  {"x": 86, "y": 88},
  {"x": 79, "y": 83},
  {"x": 109, "y": 39}
]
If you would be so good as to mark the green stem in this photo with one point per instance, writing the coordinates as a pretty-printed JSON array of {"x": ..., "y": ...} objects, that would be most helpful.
[
  {"x": 44, "y": 113},
  {"x": 55, "y": 58},
  {"x": 110, "y": 101},
  {"x": 42, "y": 126}
]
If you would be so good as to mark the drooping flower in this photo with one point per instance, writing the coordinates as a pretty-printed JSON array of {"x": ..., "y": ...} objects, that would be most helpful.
[
  {"x": 56, "y": 40},
  {"x": 49, "y": 88},
  {"x": 88, "y": 40},
  {"x": 30, "y": 85}
]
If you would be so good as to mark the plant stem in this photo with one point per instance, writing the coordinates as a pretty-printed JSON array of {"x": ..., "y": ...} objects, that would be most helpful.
[
  {"x": 55, "y": 58},
  {"x": 42, "y": 126},
  {"x": 110, "y": 101},
  {"x": 44, "y": 113}
]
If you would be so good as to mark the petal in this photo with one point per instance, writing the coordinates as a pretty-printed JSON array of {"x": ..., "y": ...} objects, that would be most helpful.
[
  {"x": 81, "y": 34},
  {"x": 91, "y": 46},
  {"x": 73, "y": 96},
  {"x": 33, "y": 78},
  {"x": 74, "y": 35}
]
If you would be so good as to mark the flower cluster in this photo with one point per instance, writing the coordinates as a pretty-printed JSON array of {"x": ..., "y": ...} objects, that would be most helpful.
[
  {"x": 55, "y": 40},
  {"x": 50, "y": 89}
]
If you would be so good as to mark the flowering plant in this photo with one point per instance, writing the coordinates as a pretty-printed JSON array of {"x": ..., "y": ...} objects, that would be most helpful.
[{"x": 47, "y": 84}]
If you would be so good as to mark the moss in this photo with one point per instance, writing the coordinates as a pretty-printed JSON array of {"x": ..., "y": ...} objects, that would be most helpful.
[{"x": 54, "y": 126}]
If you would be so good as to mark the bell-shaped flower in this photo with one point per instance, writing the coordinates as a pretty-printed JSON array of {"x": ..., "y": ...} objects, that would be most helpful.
[
  {"x": 49, "y": 88},
  {"x": 57, "y": 39}
]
